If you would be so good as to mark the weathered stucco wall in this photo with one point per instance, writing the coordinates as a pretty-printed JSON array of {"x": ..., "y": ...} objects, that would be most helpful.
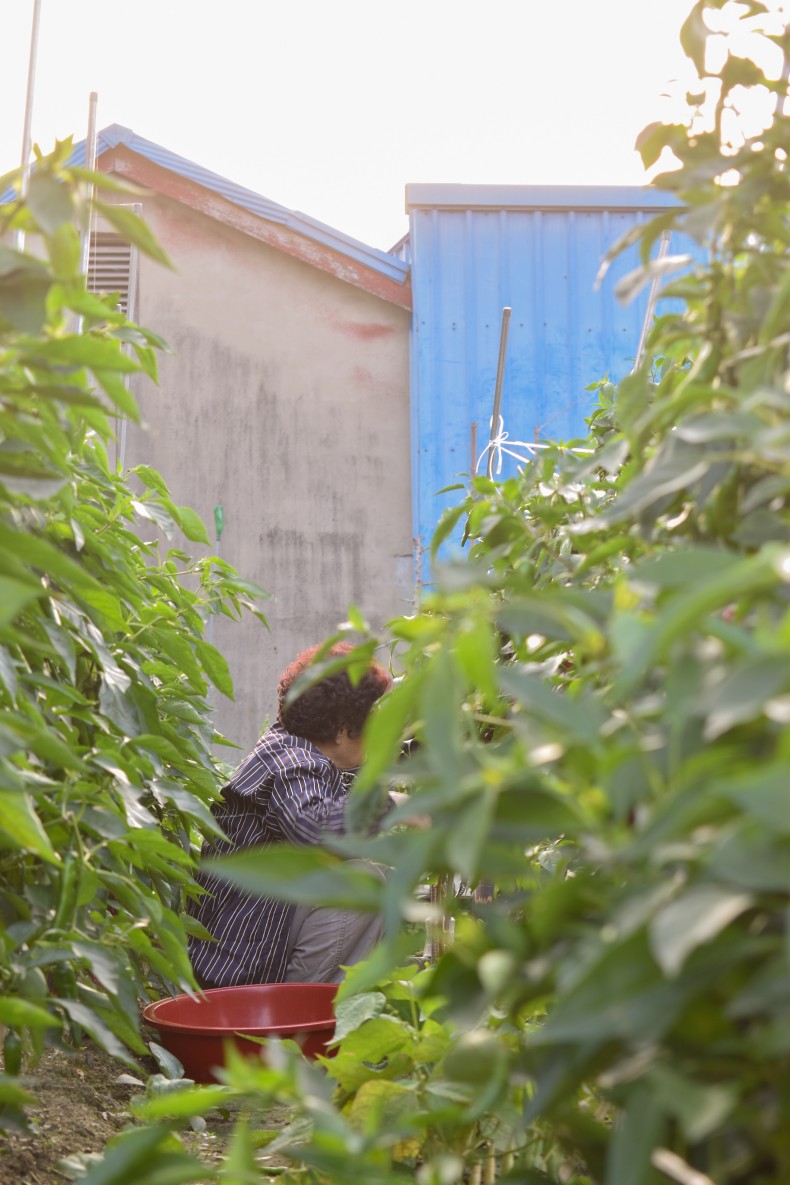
[{"x": 286, "y": 402}]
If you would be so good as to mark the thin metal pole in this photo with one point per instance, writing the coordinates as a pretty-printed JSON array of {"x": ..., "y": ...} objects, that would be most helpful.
[
  {"x": 500, "y": 374},
  {"x": 27, "y": 133},
  {"x": 651, "y": 300},
  {"x": 90, "y": 163},
  {"x": 419, "y": 552},
  {"x": 131, "y": 313}
]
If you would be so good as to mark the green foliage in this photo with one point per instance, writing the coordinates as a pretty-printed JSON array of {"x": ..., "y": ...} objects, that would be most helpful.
[
  {"x": 638, "y": 600},
  {"x": 600, "y": 694},
  {"x": 106, "y": 768}
]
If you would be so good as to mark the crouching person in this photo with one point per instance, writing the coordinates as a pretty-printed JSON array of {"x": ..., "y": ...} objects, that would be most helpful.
[{"x": 290, "y": 789}]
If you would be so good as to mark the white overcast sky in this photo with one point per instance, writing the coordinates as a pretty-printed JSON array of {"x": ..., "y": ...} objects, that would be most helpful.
[{"x": 332, "y": 106}]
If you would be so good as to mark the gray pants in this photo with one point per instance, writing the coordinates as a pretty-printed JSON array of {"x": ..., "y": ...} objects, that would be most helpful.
[{"x": 322, "y": 940}]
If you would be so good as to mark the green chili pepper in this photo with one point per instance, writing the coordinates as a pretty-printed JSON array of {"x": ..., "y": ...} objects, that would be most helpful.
[
  {"x": 12, "y": 1053},
  {"x": 64, "y": 981},
  {"x": 69, "y": 893},
  {"x": 64, "y": 985}
]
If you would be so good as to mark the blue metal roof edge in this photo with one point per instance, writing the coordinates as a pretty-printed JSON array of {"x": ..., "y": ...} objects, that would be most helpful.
[
  {"x": 537, "y": 197},
  {"x": 311, "y": 228},
  {"x": 256, "y": 203},
  {"x": 116, "y": 135}
]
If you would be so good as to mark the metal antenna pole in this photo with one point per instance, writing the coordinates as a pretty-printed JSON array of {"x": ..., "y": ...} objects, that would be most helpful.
[
  {"x": 27, "y": 133},
  {"x": 500, "y": 374},
  {"x": 90, "y": 163}
]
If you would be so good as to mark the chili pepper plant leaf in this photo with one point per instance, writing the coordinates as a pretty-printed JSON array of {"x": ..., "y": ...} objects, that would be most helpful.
[
  {"x": 625, "y": 713},
  {"x": 636, "y": 749},
  {"x": 106, "y": 766}
]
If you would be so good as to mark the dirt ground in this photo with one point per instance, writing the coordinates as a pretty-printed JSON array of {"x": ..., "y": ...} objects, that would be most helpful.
[{"x": 79, "y": 1107}]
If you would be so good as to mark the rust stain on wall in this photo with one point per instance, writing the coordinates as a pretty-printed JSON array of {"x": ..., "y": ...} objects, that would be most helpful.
[{"x": 363, "y": 331}]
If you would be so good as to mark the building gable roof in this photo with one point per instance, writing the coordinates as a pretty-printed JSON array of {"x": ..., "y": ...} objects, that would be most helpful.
[{"x": 122, "y": 151}]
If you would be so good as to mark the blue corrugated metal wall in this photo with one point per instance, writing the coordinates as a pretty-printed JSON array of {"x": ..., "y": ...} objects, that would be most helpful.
[{"x": 477, "y": 249}]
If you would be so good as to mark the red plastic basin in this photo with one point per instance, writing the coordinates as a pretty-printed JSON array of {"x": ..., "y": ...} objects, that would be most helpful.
[{"x": 196, "y": 1029}]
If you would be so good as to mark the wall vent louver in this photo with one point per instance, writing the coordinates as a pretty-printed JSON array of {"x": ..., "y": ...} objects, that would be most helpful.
[{"x": 109, "y": 266}]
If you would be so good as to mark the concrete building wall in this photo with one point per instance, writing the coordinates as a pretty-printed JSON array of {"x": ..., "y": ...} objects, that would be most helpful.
[{"x": 286, "y": 402}]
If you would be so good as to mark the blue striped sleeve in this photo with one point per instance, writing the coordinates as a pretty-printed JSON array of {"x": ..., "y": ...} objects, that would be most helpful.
[{"x": 305, "y": 801}]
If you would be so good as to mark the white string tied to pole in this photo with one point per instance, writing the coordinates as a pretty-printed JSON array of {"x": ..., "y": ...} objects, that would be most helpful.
[{"x": 500, "y": 443}]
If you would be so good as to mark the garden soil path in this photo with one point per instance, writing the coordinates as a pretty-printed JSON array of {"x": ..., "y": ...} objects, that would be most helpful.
[{"x": 79, "y": 1107}]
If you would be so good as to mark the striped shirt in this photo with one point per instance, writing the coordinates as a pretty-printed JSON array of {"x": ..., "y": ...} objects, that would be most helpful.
[{"x": 286, "y": 790}]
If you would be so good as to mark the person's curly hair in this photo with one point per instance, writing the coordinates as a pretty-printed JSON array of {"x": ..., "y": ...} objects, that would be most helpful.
[{"x": 323, "y": 709}]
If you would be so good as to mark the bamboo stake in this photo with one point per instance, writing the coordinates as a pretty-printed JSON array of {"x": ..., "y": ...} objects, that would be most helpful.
[{"x": 440, "y": 927}]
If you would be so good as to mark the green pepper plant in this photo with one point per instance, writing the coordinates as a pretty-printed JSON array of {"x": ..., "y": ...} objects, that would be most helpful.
[
  {"x": 600, "y": 692},
  {"x": 106, "y": 742}
]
